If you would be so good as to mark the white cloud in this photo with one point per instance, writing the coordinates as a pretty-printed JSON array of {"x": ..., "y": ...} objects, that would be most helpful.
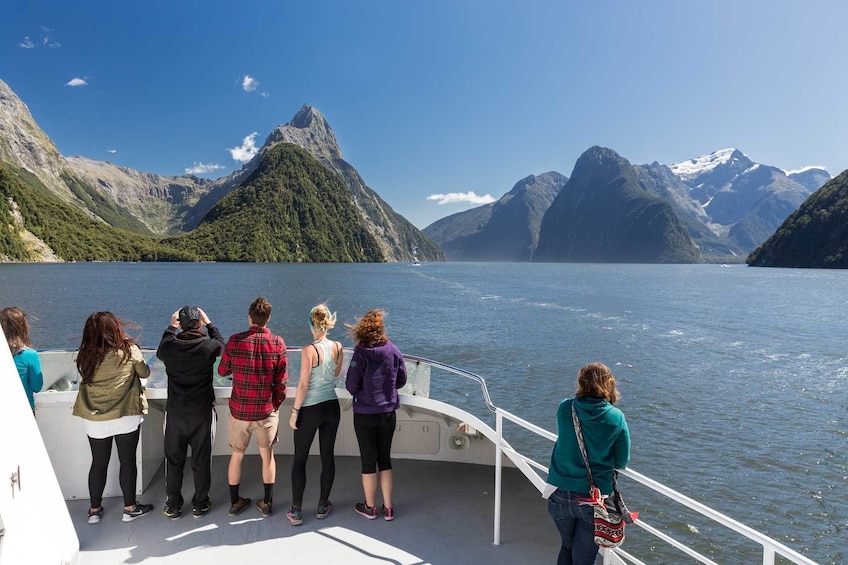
[
  {"x": 249, "y": 84},
  {"x": 264, "y": 94},
  {"x": 203, "y": 168},
  {"x": 27, "y": 43},
  {"x": 247, "y": 150},
  {"x": 76, "y": 82},
  {"x": 111, "y": 151},
  {"x": 460, "y": 197}
]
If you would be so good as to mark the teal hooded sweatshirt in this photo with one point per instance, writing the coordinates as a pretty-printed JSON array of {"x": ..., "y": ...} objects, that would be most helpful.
[{"x": 607, "y": 445}]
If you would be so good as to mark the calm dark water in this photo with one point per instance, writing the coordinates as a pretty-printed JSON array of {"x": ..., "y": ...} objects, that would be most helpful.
[{"x": 733, "y": 379}]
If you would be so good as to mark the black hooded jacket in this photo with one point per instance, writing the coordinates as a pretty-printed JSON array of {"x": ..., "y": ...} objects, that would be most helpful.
[{"x": 189, "y": 359}]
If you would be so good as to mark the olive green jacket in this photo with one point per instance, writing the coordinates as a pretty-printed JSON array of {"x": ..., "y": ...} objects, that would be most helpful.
[{"x": 116, "y": 389}]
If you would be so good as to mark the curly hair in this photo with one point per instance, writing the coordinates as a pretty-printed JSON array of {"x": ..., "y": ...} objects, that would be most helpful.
[
  {"x": 103, "y": 332},
  {"x": 14, "y": 323},
  {"x": 321, "y": 319},
  {"x": 596, "y": 380},
  {"x": 369, "y": 330}
]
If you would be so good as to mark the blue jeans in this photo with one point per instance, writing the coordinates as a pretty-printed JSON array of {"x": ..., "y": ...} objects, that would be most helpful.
[{"x": 576, "y": 525}]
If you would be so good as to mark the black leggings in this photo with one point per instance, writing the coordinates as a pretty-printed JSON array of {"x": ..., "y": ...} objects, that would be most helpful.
[
  {"x": 101, "y": 452},
  {"x": 374, "y": 433},
  {"x": 323, "y": 418}
]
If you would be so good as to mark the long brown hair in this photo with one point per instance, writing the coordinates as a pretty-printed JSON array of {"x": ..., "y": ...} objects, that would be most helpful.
[
  {"x": 14, "y": 323},
  {"x": 596, "y": 380},
  {"x": 369, "y": 330},
  {"x": 103, "y": 332}
]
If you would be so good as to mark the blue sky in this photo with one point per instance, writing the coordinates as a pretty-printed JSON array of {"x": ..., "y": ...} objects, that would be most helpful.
[{"x": 435, "y": 97}]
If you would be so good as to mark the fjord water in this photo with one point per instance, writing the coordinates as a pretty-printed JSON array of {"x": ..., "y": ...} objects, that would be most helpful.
[{"x": 734, "y": 379}]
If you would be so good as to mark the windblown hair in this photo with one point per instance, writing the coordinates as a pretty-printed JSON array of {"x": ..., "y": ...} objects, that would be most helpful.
[
  {"x": 16, "y": 328},
  {"x": 103, "y": 332},
  {"x": 369, "y": 330},
  {"x": 260, "y": 312},
  {"x": 596, "y": 380},
  {"x": 321, "y": 319}
]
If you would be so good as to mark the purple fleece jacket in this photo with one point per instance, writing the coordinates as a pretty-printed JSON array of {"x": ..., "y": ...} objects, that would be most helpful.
[{"x": 374, "y": 377}]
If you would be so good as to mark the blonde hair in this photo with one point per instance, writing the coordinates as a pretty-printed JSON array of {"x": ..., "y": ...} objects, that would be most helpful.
[
  {"x": 596, "y": 380},
  {"x": 320, "y": 318}
]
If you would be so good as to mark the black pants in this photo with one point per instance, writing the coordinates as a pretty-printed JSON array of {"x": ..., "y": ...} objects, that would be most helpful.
[
  {"x": 322, "y": 418},
  {"x": 374, "y": 433},
  {"x": 181, "y": 431},
  {"x": 101, "y": 452}
]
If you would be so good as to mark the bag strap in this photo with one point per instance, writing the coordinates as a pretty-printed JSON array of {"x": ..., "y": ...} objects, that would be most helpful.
[{"x": 579, "y": 433}]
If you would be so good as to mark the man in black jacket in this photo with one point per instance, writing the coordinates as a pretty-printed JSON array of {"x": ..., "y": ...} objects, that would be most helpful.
[{"x": 189, "y": 358}]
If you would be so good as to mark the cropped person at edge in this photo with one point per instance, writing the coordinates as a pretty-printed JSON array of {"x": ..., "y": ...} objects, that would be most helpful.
[
  {"x": 189, "y": 357},
  {"x": 112, "y": 402},
  {"x": 607, "y": 442},
  {"x": 316, "y": 409},
  {"x": 376, "y": 372},
  {"x": 257, "y": 360},
  {"x": 14, "y": 323}
]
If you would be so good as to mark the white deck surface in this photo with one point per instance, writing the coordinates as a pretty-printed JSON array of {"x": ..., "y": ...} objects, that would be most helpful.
[{"x": 444, "y": 515}]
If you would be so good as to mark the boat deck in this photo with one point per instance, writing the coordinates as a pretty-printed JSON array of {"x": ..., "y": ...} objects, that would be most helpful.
[{"x": 444, "y": 514}]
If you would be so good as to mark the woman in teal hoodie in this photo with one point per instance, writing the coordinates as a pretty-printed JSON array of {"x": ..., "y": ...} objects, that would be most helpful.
[
  {"x": 16, "y": 328},
  {"x": 607, "y": 447}
]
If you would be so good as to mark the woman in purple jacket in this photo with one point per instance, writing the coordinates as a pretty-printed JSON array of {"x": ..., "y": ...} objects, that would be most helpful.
[{"x": 375, "y": 374}]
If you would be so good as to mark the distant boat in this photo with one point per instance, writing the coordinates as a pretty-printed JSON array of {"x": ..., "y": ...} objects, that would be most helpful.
[{"x": 415, "y": 262}]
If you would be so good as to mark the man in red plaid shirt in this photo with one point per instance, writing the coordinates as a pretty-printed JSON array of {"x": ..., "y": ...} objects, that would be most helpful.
[{"x": 257, "y": 360}]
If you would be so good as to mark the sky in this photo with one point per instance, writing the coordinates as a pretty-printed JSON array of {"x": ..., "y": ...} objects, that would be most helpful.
[{"x": 441, "y": 105}]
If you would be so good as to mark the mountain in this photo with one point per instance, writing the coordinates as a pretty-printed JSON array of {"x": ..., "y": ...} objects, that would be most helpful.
[
  {"x": 603, "y": 214},
  {"x": 37, "y": 225},
  {"x": 813, "y": 178},
  {"x": 398, "y": 239},
  {"x": 506, "y": 230},
  {"x": 814, "y": 236},
  {"x": 290, "y": 209},
  {"x": 154, "y": 204},
  {"x": 121, "y": 197},
  {"x": 745, "y": 200}
]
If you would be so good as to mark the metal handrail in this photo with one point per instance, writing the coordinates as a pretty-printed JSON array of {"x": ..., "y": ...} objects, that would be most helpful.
[{"x": 770, "y": 545}]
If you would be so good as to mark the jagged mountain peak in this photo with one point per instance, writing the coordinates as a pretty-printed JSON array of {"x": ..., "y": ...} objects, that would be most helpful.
[
  {"x": 306, "y": 116},
  {"x": 310, "y": 130},
  {"x": 693, "y": 168}
]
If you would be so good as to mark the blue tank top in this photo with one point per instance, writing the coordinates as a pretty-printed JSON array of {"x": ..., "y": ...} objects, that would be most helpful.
[{"x": 322, "y": 380}]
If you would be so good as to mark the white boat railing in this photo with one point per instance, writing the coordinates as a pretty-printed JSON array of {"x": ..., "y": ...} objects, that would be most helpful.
[{"x": 771, "y": 547}]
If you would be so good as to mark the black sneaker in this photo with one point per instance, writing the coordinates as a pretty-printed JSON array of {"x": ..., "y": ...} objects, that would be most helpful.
[
  {"x": 172, "y": 512},
  {"x": 137, "y": 511},
  {"x": 388, "y": 513},
  {"x": 363, "y": 509},
  {"x": 200, "y": 510},
  {"x": 324, "y": 508},
  {"x": 238, "y": 506}
]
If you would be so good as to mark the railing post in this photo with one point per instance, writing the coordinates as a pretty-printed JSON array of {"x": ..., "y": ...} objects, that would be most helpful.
[
  {"x": 768, "y": 555},
  {"x": 498, "y": 470}
]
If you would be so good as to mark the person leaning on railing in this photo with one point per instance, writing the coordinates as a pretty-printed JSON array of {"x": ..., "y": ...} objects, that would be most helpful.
[{"x": 608, "y": 448}]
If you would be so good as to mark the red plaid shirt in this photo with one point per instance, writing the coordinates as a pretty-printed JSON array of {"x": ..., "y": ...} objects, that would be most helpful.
[{"x": 257, "y": 360}]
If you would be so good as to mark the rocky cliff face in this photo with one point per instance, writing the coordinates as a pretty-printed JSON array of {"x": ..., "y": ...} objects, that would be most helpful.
[
  {"x": 24, "y": 144},
  {"x": 603, "y": 214}
]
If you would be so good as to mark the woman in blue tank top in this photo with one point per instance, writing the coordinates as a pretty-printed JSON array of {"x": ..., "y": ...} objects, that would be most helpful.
[{"x": 316, "y": 409}]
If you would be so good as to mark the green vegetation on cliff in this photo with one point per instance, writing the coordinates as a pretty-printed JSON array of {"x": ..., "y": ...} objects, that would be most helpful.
[
  {"x": 71, "y": 234},
  {"x": 814, "y": 236},
  {"x": 290, "y": 209}
]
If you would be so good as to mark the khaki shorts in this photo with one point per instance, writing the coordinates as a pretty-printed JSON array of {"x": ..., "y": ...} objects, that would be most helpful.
[{"x": 266, "y": 432}]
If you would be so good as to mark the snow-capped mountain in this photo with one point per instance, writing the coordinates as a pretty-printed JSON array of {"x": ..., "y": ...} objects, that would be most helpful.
[{"x": 749, "y": 199}]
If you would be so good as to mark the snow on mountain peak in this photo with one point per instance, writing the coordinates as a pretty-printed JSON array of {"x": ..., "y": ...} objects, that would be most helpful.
[
  {"x": 805, "y": 169},
  {"x": 693, "y": 167}
]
